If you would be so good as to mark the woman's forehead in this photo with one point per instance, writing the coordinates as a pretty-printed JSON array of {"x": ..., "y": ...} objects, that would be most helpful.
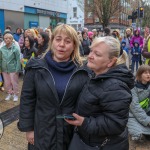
[{"x": 62, "y": 34}]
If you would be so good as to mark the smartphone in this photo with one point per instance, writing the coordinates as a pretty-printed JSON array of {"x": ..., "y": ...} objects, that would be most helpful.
[{"x": 66, "y": 116}]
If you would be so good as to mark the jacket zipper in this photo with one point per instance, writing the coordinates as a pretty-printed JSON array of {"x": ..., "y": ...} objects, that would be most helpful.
[{"x": 68, "y": 84}]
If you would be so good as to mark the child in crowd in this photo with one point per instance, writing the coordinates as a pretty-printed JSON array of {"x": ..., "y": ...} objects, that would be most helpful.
[
  {"x": 139, "y": 119},
  {"x": 10, "y": 66},
  {"x": 123, "y": 46},
  {"x": 136, "y": 55}
]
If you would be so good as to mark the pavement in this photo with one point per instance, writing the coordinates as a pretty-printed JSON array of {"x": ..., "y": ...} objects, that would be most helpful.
[{"x": 13, "y": 139}]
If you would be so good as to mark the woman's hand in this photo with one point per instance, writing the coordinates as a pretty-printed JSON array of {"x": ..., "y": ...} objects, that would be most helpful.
[
  {"x": 78, "y": 122},
  {"x": 30, "y": 137}
]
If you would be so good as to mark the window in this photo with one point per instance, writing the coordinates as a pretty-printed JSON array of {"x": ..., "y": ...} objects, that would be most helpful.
[
  {"x": 74, "y": 12},
  {"x": 90, "y": 14}
]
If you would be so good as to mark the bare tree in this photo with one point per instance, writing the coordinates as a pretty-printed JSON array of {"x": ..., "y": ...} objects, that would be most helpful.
[
  {"x": 105, "y": 9},
  {"x": 146, "y": 19}
]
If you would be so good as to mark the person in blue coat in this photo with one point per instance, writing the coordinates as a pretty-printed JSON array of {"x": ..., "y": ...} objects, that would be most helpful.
[
  {"x": 136, "y": 55},
  {"x": 123, "y": 46}
]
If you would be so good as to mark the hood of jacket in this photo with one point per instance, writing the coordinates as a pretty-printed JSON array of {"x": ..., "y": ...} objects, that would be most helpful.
[
  {"x": 119, "y": 72},
  {"x": 36, "y": 63},
  {"x": 123, "y": 42},
  {"x": 136, "y": 31}
]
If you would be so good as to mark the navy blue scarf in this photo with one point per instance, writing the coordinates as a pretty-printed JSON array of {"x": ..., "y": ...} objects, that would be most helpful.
[{"x": 61, "y": 72}]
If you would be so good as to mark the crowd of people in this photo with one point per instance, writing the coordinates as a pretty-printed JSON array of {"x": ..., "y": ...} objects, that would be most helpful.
[{"x": 89, "y": 76}]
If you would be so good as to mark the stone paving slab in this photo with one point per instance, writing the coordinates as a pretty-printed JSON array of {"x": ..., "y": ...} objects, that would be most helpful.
[{"x": 13, "y": 139}]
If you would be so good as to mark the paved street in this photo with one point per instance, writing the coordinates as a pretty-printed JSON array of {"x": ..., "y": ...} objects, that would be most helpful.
[{"x": 13, "y": 139}]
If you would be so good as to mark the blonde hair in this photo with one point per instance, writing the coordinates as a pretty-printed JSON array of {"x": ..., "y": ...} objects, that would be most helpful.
[
  {"x": 9, "y": 35},
  {"x": 34, "y": 32},
  {"x": 49, "y": 33},
  {"x": 141, "y": 70},
  {"x": 114, "y": 48},
  {"x": 69, "y": 31}
]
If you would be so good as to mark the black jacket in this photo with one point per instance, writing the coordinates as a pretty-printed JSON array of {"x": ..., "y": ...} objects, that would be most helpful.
[
  {"x": 40, "y": 105},
  {"x": 27, "y": 53},
  {"x": 104, "y": 102}
]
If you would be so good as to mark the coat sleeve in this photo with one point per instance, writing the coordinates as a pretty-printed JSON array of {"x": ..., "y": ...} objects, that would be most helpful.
[
  {"x": 27, "y": 103},
  {"x": 137, "y": 110},
  {"x": 115, "y": 112},
  {"x": 145, "y": 52},
  {"x": 131, "y": 42},
  {"x": 17, "y": 55}
]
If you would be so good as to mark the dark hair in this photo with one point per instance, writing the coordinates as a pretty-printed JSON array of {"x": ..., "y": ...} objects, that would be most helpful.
[
  {"x": 107, "y": 31},
  {"x": 45, "y": 37},
  {"x": 83, "y": 32},
  {"x": 31, "y": 41},
  {"x": 19, "y": 29},
  {"x": 141, "y": 70},
  {"x": 8, "y": 27}
]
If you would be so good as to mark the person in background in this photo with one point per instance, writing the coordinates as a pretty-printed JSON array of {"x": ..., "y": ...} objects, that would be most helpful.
[
  {"x": 85, "y": 30},
  {"x": 90, "y": 36},
  {"x": 10, "y": 67},
  {"x": 51, "y": 87},
  {"x": 3, "y": 42},
  {"x": 146, "y": 51},
  {"x": 29, "y": 51},
  {"x": 34, "y": 34},
  {"x": 116, "y": 34},
  {"x": 127, "y": 38},
  {"x": 136, "y": 52},
  {"x": 139, "y": 116},
  {"x": 49, "y": 32},
  {"x": 85, "y": 43},
  {"x": 107, "y": 32},
  {"x": 139, "y": 38},
  {"x": 17, "y": 34},
  {"x": 8, "y": 28},
  {"x": 124, "y": 47},
  {"x": 80, "y": 44},
  {"x": 94, "y": 33},
  {"x": 103, "y": 105},
  {"x": 43, "y": 42}
]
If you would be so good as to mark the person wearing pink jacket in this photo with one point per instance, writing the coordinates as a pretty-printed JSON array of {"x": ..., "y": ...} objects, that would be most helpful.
[{"x": 138, "y": 38}]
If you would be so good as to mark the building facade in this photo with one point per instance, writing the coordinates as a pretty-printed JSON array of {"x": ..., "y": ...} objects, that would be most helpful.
[
  {"x": 32, "y": 13},
  {"x": 75, "y": 15}
]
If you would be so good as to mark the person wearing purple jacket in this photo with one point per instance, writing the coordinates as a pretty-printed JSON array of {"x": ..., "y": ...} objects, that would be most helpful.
[{"x": 138, "y": 38}]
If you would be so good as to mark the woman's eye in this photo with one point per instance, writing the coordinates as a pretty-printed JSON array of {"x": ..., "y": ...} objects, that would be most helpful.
[
  {"x": 97, "y": 54},
  {"x": 58, "y": 39},
  {"x": 67, "y": 42}
]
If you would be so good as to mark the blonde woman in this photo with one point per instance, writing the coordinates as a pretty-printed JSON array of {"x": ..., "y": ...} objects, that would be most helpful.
[
  {"x": 51, "y": 87},
  {"x": 49, "y": 32},
  {"x": 10, "y": 66},
  {"x": 103, "y": 108}
]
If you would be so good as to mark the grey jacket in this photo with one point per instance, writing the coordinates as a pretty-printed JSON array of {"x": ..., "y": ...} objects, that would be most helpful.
[{"x": 136, "y": 111}]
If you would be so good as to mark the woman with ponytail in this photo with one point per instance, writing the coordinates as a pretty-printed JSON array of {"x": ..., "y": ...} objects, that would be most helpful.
[{"x": 103, "y": 105}]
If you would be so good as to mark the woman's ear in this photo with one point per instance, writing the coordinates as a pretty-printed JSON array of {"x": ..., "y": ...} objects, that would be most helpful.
[{"x": 112, "y": 62}]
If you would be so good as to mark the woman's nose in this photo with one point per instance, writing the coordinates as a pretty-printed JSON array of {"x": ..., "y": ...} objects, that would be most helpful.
[{"x": 62, "y": 43}]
